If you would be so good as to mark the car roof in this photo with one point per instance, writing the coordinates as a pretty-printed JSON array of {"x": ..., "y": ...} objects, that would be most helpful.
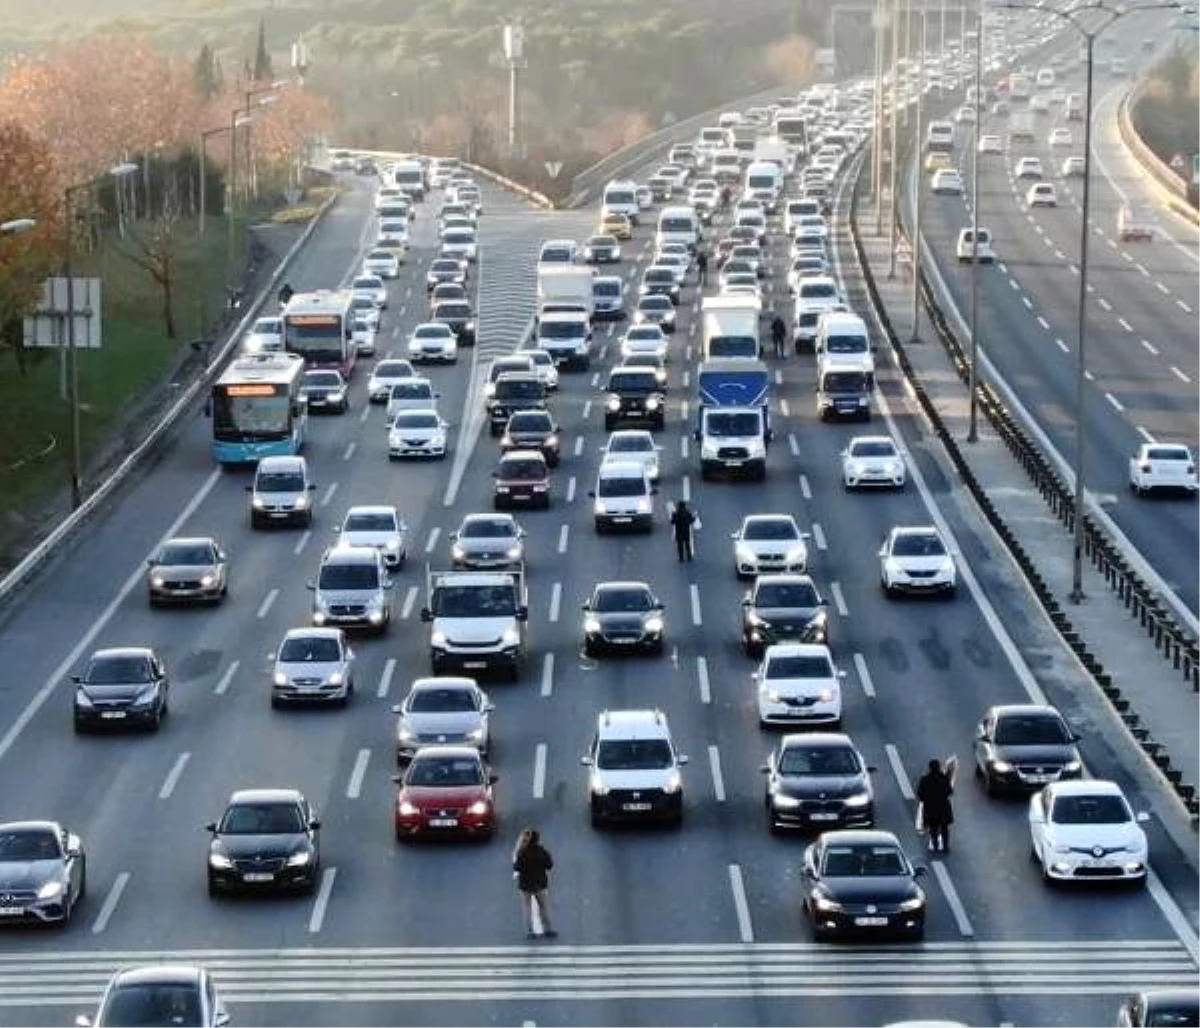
[
  {"x": 190, "y": 540},
  {"x": 122, "y": 651},
  {"x": 348, "y": 553},
  {"x": 372, "y": 508},
  {"x": 815, "y": 740},
  {"x": 265, "y": 796},
  {"x": 760, "y": 518},
  {"x": 282, "y": 463},
  {"x": 798, "y": 650},
  {"x": 312, "y": 632},
  {"x": 30, "y": 826},
  {"x": 632, "y": 724},
  {"x": 151, "y": 974},
  {"x": 1087, "y": 787},
  {"x": 443, "y": 682},
  {"x": 508, "y": 519},
  {"x": 1025, "y": 709},
  {"x": 784, "y": 578},
  {"x": 622, "y": 584},
  {"x": 515, "y": 455},
  {"x": 899, "y": 530},
  {"x": 622, "y": 469},
  {"x": 444, "y": 752},
  {"x": 860, "y": 837}
]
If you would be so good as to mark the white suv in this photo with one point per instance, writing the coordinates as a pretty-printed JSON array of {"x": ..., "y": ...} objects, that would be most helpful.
[{"x": 634, "y": 768}]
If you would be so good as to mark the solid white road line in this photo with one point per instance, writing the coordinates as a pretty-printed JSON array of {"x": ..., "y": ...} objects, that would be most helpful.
[
  {"x": 694, "y": 595},
  {"x": 357, "y": 774},
  {"x": 302, "y": 541},
  {"x": 539, "y": 771},
  {"x": 951, "y": 894},
  {"x": 410, "y": 601},
  {"x": 714, "y": 764},
  {"x": 864, "y": 675},
  {"x": 839, "y": 601},
  {"x": 702, "y": 676},
  {"x": 893, "y": 756},
  {"x": 818, "y": 534},
  {"x": 432, "y": 541},
  {"x": 555, "y": 601},
  {"x": 223, "y": 682},
  {"x": 317, "y": 918},
  {"x": 267, "y": 603},
  {"x": 385, "y": 679},
  {"x": 349, "y": 451},
  {"x": 805, "y": 489},
  {"x": 110, "y": 903},
  {"x": 330, "y": 493},
  {"x": 745, "y": 930},
  {"x": 563, "y": 533},
  {"x": 547, "y": 674},
  {"x": 172, "y": 779}
]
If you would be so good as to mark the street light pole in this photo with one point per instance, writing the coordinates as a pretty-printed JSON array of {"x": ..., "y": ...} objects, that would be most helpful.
[
  {"x": 894, "y": 172},
  {"x": 916, "y": 239},
  {"x": 973, "y": 383},
  {"x": 878, "y": 19}
]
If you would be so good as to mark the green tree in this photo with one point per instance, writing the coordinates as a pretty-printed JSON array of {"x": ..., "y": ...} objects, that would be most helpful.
[
  {"x": 262, "y": 59},
  {"x": 206, "y": 72}
]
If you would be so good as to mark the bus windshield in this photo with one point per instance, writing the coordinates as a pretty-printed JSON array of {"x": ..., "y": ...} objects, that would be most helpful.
[{"x": 245, "y": 418}]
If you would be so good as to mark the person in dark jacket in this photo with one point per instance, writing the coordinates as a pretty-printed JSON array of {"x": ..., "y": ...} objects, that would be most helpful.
[
  {"x": 683, "y": 522},
  {"x": 531, "y": 868},
  {"x": 702, "y": 267},
  {"x": 779, "y": 336},
  {"x": 286, "y": 292},
  {"x": 934, "y": 791}
]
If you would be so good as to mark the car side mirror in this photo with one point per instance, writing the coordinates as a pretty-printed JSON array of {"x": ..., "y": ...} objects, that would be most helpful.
[
  {"x": 522, "y": 613},
  {"x": 883, "y": 551},
  {"x": 315, "y": 824},
  {"x": 585, "y": 607},
  {"x": 312, "y": 488},
  {"x": 765, "y": 769},
  {"x": 654, "y": 491},
  {"x": 493, "y": 779},
  {"x": 489, "y": 707},
  {"x": 349, "y": 654},
  {"x": 396, "y": 708},
  {"x": 249, "y": 489},
  {"x": 696, "y": 435},
  {"x": 919, "y": 871},
  {"x": 681, "y": 759},
  {"x": 981, "y": 733},
  {"x": 221, "y": 1018},
  {"x": 426, "y": 614},
  {"x": 397, "y": 779},
  {"x": 1142, "y": 817},
  {"x": 592, "y": 494},
  {"x": 74, "y": 846},
  {"x": 211, "y": 827},
  {"x": 77, "y": 679},
  {"x": 871, "y": 769},
  {"x": 311, "y": 586},
  {"x": 585, "y": 761}
]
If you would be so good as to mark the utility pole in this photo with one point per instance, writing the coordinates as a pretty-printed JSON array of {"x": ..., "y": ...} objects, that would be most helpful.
[{"x": 514, "y": 55}]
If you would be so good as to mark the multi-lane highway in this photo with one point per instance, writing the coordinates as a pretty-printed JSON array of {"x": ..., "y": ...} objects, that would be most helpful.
[
  {"x": 656, "y": 927},
  {"x": 1142, "y": 369}
]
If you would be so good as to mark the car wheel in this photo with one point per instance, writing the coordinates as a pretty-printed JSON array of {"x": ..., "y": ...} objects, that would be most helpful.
[
  {"x": 589, "y": 649},
  {"x": 990, "y": 786},
  {"x": 609, "y": 423},
  {"x": 276, "y": 703},
  {"x": 308, "y": 519},
  {"x": 597, "y": 820},
  {"x": 213, "y": 889}
]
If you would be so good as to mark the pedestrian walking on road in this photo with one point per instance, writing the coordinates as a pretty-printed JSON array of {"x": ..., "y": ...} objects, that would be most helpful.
[
  {"x": 531, "y": 869},
  {"x": 779, "y": 336},
  {"x": 683, "y": 524},
  {"x": 702, "y": 267},
  {"x": 935, "y": 813}
]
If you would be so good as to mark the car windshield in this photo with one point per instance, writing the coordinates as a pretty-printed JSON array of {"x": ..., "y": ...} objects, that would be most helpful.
[
  {"x": 367, "y": 282},
  {"x": 655, "y": 303},
  {"x": 445, "y": 265},
  {"x": 772, "y": 528},
  {"x": 654, "y": 275},
  {"x": 602, "y": 240},
  {"x": 872, "y": 449},
  {"x": 630, "y": 444},
  {"x": 415, "y": 419},
  {"x": 529, "y": 423},
  {"x": 348, "y": 576},
  {"x": 863, "y": 862},
  {"x": 1089, "y": 810},
  {"x": 562, "y": 329},
  {"x": 639, "y": 382},
  {"x": 611, "y": 288},
  {"x": 488, "y": 528},
  {"x": 786, "y": 595},
  {"x": 645, "y": 333},
  {"x": 442, "y": 701},
  {"x": 323, "y": 379},
  {"x": 634, "y": 754},
  {"x": 119, "y": 671},
  {"x": 279, "y": 482},
  {"x": 817, "y": 666},
  {"x": 29, "y": 844},
  {"x": 826, "y": 760},
  {"x": 918, "y": 545},
  {"x": 725, "y": 424},
  {"x": 454, "y": 310},
  {"x": 465, "y": 601},
  {"x": 817, "y": 290},
  {"x": 522, "y": 469},
  {"x": 380, "y": 255},
  {"x": 268, "y": 326},
  {"x": 444, "y": 772},
  {"x": 622, "y": 601},
  {"x": 370, "y": 522},
  {"x": 392, "y": 369},
  {"x": 187, "y": 555},
  {"x": 310, "y": 650},
  {"x": 1031, "y": 730},
  {"x": 846, "y": 344},
  {"x": 1165, "y": 453},
  {"x": 412, "y": 391},
  {"x": 620, "y": 485},
  {"x": 261, "y": 819},
  {"x": 145, "y": 1004}
]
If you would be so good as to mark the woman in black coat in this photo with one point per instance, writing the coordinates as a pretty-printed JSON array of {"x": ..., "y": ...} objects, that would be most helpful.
[{"x": 934, "y": 791}]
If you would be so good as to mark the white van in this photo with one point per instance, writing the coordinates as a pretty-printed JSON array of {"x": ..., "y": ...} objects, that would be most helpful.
[
  {"x": 764, "y": 183},
  {"x": 939, "y": 137},
  {"x": 965, "y": 251},
  {"x": 1045, "y": 78},
  {"x": 843, "y": 343},
  {"x": 620, "y": 197},
  {"x": 678, "y": 225},
  {"x": 623, "y": 497}
]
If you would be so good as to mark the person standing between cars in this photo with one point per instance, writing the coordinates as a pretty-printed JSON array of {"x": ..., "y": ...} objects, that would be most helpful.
[
  {"x": 286, "y": 292},
  {"x": 531, "y": 869},
  {"x": 702, "y": 267},
  {"x": 779, "y": 336},
  {"x": 934, "y": 791},
  {"x": 683, "y": 524}
]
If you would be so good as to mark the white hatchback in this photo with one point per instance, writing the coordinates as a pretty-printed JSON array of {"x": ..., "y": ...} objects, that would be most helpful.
[
  {"x": 1084, "y": 830},
  {"x": 872, "y": 460},
  {"x": 417, "y": 433},
  {"x": 798, "y": 684},
  {"x": 915, "y": 559},
  {"x": 433, "y": 342},
  {"x": 634, "y": 444},
  {"x": 644, "y": 339},
  {"x": 1042, "y": 194},
  {"x": 1162, "y": 466},
  {"x": 769, "y": 543}
]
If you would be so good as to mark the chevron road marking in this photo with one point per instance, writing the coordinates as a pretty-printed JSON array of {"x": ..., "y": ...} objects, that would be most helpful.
[{"x": 616, "y": 972}]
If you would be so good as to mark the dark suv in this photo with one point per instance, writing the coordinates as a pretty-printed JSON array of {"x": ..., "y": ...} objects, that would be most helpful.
[
  {"x": 513, "y": 391},
  {"x": 634, "y": 395},
  {"x": 459, "y": 316},
  {"x": 522, "y": 480},
  {"x": 782, "y": 608},
  {"x": 533, "y": 430}
]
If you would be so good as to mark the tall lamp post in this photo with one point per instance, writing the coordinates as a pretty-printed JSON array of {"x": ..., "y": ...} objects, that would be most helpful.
[
  {"x": 973, "y": 371},
  {"x": 894, "y": 142},
  {"x": 916, "y": 238},
  {"x": 237, "y": 118},
  {"x": 1089, "y": 18},
  {"x": 119, "y": 172}
]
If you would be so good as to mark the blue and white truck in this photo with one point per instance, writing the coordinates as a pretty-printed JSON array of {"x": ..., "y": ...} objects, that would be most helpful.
[{"x": 733, "y": 425}]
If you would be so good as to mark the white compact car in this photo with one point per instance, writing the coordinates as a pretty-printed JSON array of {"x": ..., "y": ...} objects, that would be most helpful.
[
  {"x": 379, "y": 526},
  {"x": 1060, "y": 137},
  {"x": 946, "y": 181},
  {"x": 265, "y": 336},
  {"x": 544, "y": 367},
  {"x": 872, "y": 460},
  {"x": 769, "y": 543},
  {"x": 915, "y": 559},
  {"x": 1085, "y": 830},
  {"x": 386, "y": 374},
  {"x": 644, "y": 339},
  {"x": 414, "y": 393},
  {"x": 371, "y": 286},
  {"x": 417, "y": 433},
  {"x": 433, "y": 342},
  {"x": 1029, "y": 167},
  {"x": 1073, "y": 167},
  {"x": 1162, "y": 466},
  {"x": 798, "y": 684},
  {"x": 383, "y": 263},
  {"x": 1042, "y": 194},
  {"x": 634, "y": 444},
  {"x": 966, "y": 251},
  {"x": 990, "y": 145}
]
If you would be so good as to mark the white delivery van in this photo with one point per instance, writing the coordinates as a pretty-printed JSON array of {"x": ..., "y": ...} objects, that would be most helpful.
[
  {"x": 678, "y": 225},
  {"x": 620, "y": 197},
  {"x": 623, "y": 497},
  {"x": 939, "y": 137},
  {"x": 764, "y": 183}
]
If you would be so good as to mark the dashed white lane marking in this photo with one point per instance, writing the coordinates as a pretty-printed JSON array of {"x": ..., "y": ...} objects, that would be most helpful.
[
  {"x": 1015, "y": 285},
  {"x": 410, "y": 601},
  {"x": 1146, "y": 435},
  {"x": 563, "y": 533},
  {"x": 555, "y": 602},
  {"x": 864, "y": 675},
  {"x": 539, "y": 771},
  {"x": 302, "y": 542},
  {"x": 265, "y": 606},
  {"x": 578, "y": 445},
  {"x": 1028, "y": 302},
  {"x": 793, "y": 444},
  {"x": 172, "y": 779},
  {"x": 223, "y": 683},
  {"x": 687, "y": 379},
  {"x": 1183, "y": 307},
  {"x": 1043, "y": 322},
  {"x": 1179, "y": 374},
  {"x": 702, "y": 676},
  {"x": 110, "y": 903},
  {"x": 694, "y": 595},
  {"x": 683, "y": 447},
  {"x": 385, "y": 679},
  {"x": 1114, "y": 401},
  {"x": 951, "y": 894},
  {"x": 547, "y": 675},
  {"x": 1089, "y": 376},
  {"x": 785, "y": 408},
  {"x": 818, "y": 534},
  {"x": 349, "y": 451},
  {"x": 1104, "y": 303},
  {"x": 431, "y": 542},
  {"x": 1063, "y": 346},
  {"x": 1060, "y": 255},
  {"x": 1161, "y": 288},
  {"x": 571, "y": 489},
  {"x": 366, "y": 413},
  {"x": 685, "y": 489},
  {"x": 839, "y": 601},
  {"x": 330, "y": 493},
  {"x": 1125, "y": 324},
  {"x": 805, "y": 489},
  {"x": 897, "y": 766},
  {"x": 357, "y": 774},
  {"x": 1149, "y": 347},
  {"x": 317, "y": 919},
  {"x": 745, "y": 930},
  {"x": 1074, "y": 269},
  {"x": 714, "y": 763}
]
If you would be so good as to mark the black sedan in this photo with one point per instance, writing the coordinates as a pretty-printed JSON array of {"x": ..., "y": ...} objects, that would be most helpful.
[
  {"x": 43, "y": 872},
  {"x": 782, "y": 608},
  {"x": 659, "y": 280},
  {"x": 602, "y": 249},
  {"x": 266, "y": 839},
  {"x": 123, "y": 686},
  {"x": 459, "y": 316},
  {"x": 859, "y": 883},
  {"x": 1024, "y": 747},
  {"x": 624, "y": 616},
  {"x": 818, "y": 781}
]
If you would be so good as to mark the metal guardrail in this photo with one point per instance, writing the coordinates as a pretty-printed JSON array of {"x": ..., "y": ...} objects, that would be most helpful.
[
  {"x": 33, "y": 560},
  {"x": 1159, "y": 171}
]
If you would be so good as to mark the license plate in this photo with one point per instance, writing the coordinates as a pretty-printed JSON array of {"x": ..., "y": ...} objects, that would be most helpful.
[
  {"x": 112, "y": 715},
  {"x": 443, "y": 822},
  {"x": 734, "y": 463},
  {"x": 1039, "y": 779},
  {"x": 635, "y": 806},
  {"x": 823, "y": 817},
  {"x": 621, "y": 521},
  {"x": 475, "y": 663},
  {"x": 258, "y": 876},
  {"x": 11, "y": 911},
  {"x": 871, "y": 922},
  {"x": 280, "y": 513},
  {"x": 1097, "y": 863},
  {"x": 624, "y": 642}
]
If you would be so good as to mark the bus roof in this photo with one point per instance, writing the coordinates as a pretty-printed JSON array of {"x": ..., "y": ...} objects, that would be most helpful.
[
  {"x": 323, "y": 301},
  {"x": 267, "y": 368}
]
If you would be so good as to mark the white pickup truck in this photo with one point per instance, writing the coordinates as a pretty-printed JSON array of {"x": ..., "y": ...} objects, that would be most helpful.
[{"x": 1135, "y": 223}]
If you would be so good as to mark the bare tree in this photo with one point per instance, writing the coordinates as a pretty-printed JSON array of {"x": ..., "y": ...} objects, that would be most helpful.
[{"x": 154, "y": 246}]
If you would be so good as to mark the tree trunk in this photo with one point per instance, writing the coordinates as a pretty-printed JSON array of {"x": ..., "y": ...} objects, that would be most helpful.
[{"x": 168, "y": 284}]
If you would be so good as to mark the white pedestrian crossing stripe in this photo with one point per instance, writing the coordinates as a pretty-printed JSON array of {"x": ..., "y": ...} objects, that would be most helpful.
[{"x": 546, "y": 971}]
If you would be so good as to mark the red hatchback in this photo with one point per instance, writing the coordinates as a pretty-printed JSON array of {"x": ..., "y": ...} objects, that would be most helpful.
[{"x": 446, "y": 790}]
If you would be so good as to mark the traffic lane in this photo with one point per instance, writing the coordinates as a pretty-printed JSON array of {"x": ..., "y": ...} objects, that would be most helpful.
[{"x": 122, "y": 534}]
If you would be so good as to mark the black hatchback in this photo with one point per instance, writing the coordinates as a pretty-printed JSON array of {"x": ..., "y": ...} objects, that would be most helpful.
[
  {"x": 121, "y": 687},
  {"x": 634, "y": 395}
]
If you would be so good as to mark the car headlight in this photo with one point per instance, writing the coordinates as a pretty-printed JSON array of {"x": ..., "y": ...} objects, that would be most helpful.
[
  {"x": 437, "y": 639},
  {"x": 510, "y": 637},
  {"x": 754, "y": 619},
  {"x": 1062, "y": 849},
  {"x": 1002, "y": 766},
  {"x": 207, "y": 581},
  {"x": 654, "y": 625},
  {"x": 219, "y": 861},
  {"x": 653, "y": 403},
  {"x": 643, "y": 505},
  {"x": 673, "y": 783},
  {"x": 407, "y": 809},
  {"x": 916, "y": 903},
  {"x": 599, "y": 507},
  {"x": 376, "y": 614},
  {"x": 591, "y": 625},
  {"x": 597, "y": 785},
  {"x": 50, "y": 890},
  {"x": 457, "y": 552},
  {"x": 784, "y": 801},
  {"x": 157, "y": 581},
  {"x": 744, "y": 554},
  {"x": 859, "y": 800},
  {"x": 856, "y": 467},
  {"x": 475, "y": 734},
  {"x": 822, "y": 901},
  {"x": 613, "y": 403},
  {"x": 257, "y": 502},
  {"x": 299, "y": 859},
  {"x": 336, "y": 678},
  {"x": 892, "y": 566},
  {"x": 513, "y": 553},
  {"x": 82, "y": 699},
  {"x": 302, "y": 501},
  {"x": 478, "y": 808},
  {"x": 404, "y": 732},
  {"x": 1071, "y": 767},
  {"x": 319, "y": 615},
  {"x": 797, "y": 553},
  {"x": 825, "y": 696},
  {"x": 489, "y": 389},
  {"x": 770, "y": 695}
]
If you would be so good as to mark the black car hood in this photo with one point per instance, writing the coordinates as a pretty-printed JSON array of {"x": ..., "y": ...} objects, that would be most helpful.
[
  {"x": 1046, "y": 753},
  {"x": 610, "y": 621},
  {"x": 114, "y": 693},
  {"x": 815, "y": 787},
  {"x": 787, "y": 618},
  {"x": 883, "y": 890},
  {"x": 241, "y": 847},
  {"x": 19, "y": 875}
]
